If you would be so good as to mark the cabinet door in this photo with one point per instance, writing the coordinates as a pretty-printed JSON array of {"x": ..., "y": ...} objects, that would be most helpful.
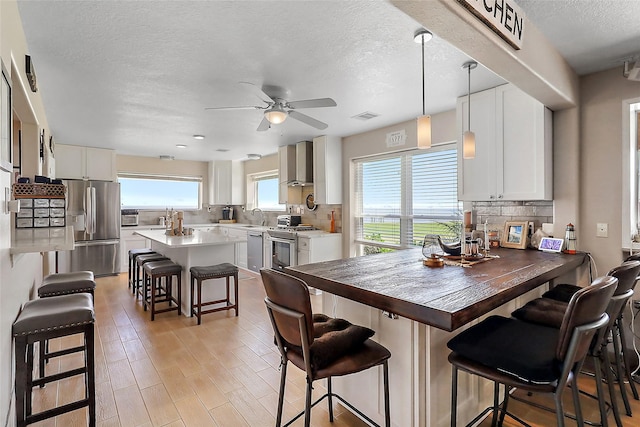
[
  {"x": 477, "y": 177},
  {"x": 100, "y": 164},
  {"x": 526, "y": 150},
  {"x": 240, "y": 248},
  {"x": 70, "y": 162},
  {"x": 327, "y": 170}
]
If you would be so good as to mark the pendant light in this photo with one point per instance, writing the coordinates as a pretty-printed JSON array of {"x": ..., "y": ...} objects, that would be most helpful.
[
  {"x": 423, "y": 122},
  {"x": 469, "y": 138}
]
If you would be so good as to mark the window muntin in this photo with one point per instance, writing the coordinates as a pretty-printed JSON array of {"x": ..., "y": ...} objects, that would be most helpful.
[
  {"x": 402, "y": 197},
  {"x": 149, "y": 192},
  {"x": 262, "y": 191}
]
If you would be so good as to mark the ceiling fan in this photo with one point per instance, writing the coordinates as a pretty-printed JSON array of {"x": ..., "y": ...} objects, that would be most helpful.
[{"x": 277, "y": 109}]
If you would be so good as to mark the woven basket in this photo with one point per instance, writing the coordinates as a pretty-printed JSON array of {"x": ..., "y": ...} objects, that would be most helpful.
[{"x": 44, "y": 191}]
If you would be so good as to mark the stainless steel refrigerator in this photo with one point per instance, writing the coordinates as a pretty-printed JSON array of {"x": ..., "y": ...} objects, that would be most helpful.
[{"x": 93, "y": 209}]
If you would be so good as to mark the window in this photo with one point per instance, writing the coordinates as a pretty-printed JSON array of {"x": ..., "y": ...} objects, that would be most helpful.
[
  {"x": 264, "y": 188},
  {"x": 160, "y": 192},
  {"x": 631, "y": 170},
  {"x": 402, "y": 197}
]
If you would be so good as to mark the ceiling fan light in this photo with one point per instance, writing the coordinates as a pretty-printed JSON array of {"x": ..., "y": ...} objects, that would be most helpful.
[
  {"x": 469, "y": 145},
  {"x": 424, "y": 131},
  {"x": 275, "y": 115}
]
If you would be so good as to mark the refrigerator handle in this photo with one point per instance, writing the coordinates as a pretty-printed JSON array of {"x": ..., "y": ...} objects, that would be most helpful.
[
  {"x": 88, "y": 212},
  {"x": 93, "y": 209}
]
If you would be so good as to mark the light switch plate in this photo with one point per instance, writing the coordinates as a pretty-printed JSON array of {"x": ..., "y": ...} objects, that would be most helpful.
[{"x": 602, "y": 229}]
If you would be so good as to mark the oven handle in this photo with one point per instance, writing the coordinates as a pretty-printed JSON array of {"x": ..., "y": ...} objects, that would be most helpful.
[{"x": 280, "y": 240}]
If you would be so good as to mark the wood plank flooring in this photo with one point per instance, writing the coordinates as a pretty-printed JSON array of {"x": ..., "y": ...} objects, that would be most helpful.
[{"x": 223, "y": 373}]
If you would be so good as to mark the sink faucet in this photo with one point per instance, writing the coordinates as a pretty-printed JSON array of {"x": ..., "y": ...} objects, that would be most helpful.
[{"x": 253, "y": 213}]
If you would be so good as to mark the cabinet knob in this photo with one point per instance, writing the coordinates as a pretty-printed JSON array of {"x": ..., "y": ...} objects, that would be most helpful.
[
  {"x": 500, "y": 196},
  {"x": 491, "y": 196}
]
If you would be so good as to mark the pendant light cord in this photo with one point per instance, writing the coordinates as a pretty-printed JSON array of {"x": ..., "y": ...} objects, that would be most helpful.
[
  {"x": 424, "y": 102},
  {"x": 469, "y": 101}
]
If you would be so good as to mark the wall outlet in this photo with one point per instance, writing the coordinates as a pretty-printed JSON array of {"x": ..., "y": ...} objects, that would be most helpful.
[{"x": 602, "y": 229}]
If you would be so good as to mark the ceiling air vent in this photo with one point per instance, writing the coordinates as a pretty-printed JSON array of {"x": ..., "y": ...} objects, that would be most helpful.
[
  {"x": 222, "y": 150},
  {"x": 367, "y": 115}
]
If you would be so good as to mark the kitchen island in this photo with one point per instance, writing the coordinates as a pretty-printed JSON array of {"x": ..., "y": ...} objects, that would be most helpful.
[
  {"x": 414, "y": 310},
  {"x": 203, "y": 247}
]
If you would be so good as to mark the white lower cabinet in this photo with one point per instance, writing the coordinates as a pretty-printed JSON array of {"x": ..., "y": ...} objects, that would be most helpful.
[
  {"x": 129, "y": 241},
  {"x": 241, "y": 248},
  {"x": 319, "y": 247},
  {"x": 365, "y": 389}
]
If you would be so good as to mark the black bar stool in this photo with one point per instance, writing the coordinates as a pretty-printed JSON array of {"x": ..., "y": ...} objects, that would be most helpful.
[
  {"x": 140, "y": 261},
  {"x": 219, "y": 271},
  {"x": 63, "y": 284},
  {"x": 154, "y": 272},
  {"x": 44, "y": 319},
  {"x": 133, "y": 254}
]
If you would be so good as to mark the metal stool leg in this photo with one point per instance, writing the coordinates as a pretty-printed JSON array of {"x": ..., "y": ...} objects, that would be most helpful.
[
  {"x": 632, "y": 384},
  {"x": 454, "y": 395}
]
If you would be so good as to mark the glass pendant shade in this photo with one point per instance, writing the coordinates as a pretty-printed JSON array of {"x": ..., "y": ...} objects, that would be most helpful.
[
  {"x": 275, "y": 115},
  {"x": 424, "y": 131},
  {"x": 469, "y": 145}
]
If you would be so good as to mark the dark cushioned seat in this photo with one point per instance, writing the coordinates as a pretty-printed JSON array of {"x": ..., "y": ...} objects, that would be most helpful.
[
  {"x": 562, "y": 292},
  {"x": 67, "y": 283},
  {"x": 54, "y": 313},
  {"x": 213, "y": 271},
  {"x": 524, "y": 350}
]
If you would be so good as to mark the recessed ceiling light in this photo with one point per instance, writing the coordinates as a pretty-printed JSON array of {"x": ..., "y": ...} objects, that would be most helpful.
[
  {"x": 198, "y": 136},
  {"x": 181, "y": 146}
]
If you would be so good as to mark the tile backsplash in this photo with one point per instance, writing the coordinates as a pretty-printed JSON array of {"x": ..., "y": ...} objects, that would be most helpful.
[{"x": 497, "y": 213}]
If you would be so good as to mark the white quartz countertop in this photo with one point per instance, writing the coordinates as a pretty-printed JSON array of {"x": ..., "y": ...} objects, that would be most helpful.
[
  {"x": 198, "y": 238},
  {"x": 29, "y": 240}
]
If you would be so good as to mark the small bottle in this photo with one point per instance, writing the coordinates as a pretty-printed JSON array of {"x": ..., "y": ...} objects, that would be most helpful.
[{"x": 332, "y": 229}]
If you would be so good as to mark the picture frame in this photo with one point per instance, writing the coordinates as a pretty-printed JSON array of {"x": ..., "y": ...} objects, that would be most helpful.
[
  {"x": 515, "y": 234},
  {"x": 6, "y": 140}
]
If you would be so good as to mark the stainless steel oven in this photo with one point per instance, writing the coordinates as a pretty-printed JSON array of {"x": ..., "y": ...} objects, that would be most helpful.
[{"x": 284, "y": 248}]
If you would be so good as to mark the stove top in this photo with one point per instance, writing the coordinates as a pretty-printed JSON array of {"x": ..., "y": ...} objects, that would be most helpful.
[{"x": 295, "y": 228}]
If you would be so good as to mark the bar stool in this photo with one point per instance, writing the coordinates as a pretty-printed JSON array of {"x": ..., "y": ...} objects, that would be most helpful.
[
  {"x": 63, "y": 284},
  {"x": 154, "y": 272},
  {"x": 341, "y": 351},
  {"x": 44, "y": 319},
  {"x": 133, "y": 254},
  {"x": 140, "y": 261},
  {"x": 529, "y": 356},
  {"x": 200, "y": 274}
]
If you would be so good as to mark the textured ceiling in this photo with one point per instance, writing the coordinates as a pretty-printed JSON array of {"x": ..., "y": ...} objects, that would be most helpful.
[{"x": 137, "y": 75}]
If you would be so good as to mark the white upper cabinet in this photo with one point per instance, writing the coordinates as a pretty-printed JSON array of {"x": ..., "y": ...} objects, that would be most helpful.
[
  {"x": 513, "y": 147},
  {"x": 327, "y": 170},
  {"x": 75, "y": 162},
  {"x": 226, "y": 182}
]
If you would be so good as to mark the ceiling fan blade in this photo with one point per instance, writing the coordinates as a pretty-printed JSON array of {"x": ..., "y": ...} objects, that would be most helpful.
[
  {"x": 258, "y": 92},
  {"x": 264, "y": 125},
  {"x": 313, "y": 103},
  {"x": 244, "y": 107},
  {"x": 308, "y": 120}
]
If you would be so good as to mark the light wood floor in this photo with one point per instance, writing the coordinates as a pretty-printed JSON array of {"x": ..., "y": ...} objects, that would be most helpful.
[{"x": 171, "y": 372}]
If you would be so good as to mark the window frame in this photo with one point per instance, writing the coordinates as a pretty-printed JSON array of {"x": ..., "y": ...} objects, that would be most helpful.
[
  {"x": 252, "y": 190},
  {"x": 133, "y": 175},
  {"x": 407, "y": 217}
]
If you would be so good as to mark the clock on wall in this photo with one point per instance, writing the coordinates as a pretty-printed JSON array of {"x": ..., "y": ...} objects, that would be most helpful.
[
  {"x": 311, "y": 205},
  {"x": 52, "y": 146}
]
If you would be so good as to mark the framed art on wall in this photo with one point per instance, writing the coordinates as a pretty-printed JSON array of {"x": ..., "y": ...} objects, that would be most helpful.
[
  {"x": 5, "y": 121},
  {"x": 515, "y": 234}
]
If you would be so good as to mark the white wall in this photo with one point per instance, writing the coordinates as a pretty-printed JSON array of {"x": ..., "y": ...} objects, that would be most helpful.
[{"x": 19, "y": 276}]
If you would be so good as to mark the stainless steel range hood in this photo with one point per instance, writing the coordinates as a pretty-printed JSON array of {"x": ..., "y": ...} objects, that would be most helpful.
[{"x": 303, "y": 165}]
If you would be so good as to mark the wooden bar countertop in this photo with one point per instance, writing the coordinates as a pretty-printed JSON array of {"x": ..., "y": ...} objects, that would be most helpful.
[{"x": 447, "y": 297}]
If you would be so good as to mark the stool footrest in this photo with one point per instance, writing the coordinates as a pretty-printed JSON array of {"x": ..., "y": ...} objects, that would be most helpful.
[
  {"x": 59, "y": 376},
  {"x": 212, "y": 310},
  {"x": 63, "y": 352},
  {"x": 34, "y": 418}
]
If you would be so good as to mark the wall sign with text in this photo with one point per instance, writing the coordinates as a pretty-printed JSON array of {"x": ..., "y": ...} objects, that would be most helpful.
[{"x": 504, "y": 17}]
